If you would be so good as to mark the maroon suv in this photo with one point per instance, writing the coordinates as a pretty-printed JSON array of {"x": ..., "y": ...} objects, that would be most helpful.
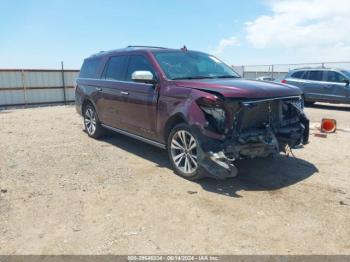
[{"x": 191, "y": 104}]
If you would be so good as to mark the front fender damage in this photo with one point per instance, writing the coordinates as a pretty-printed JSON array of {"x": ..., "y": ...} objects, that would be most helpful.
[
  {"x": 255, "y": 129},
  {"x": 212, "y": 160}
]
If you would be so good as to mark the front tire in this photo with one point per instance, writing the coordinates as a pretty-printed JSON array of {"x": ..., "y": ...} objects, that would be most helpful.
[
  {"x": 183, "y": 151},
  {"x": 92, "y": 123}
]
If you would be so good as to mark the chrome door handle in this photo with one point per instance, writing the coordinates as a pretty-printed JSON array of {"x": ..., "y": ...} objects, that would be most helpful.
[
  {"x": 98, "y": 89},
  {"x": 124, "y": 93}
]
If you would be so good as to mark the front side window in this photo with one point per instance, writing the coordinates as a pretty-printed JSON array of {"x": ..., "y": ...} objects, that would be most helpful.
[
  {"x": 193, "y": 65},
  {"x": 115, "y": 68},
  {"x": 138, "y": 63},
  {"x": 335, "y": 77},
  {"x": 315, "y": 75},
  {"x": 347, "y": 73}
]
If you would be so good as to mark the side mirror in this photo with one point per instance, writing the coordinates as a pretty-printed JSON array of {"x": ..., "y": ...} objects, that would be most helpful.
[
  {"x": 347, "y": 82},
  {"x": 143, "y": 77}
]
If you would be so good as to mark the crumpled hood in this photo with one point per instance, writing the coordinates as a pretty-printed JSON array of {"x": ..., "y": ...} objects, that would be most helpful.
[{"x": 241, "y": 88}]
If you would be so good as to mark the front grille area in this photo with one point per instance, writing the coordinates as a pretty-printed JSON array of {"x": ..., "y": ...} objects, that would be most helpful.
[
  {"x": 265, "y": 127},
  {"x": 259, "y": 114}
]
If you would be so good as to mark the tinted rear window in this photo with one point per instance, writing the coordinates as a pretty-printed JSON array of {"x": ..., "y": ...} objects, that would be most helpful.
[
  {"x": 115, "y": 68},
  {"x": 89, "y": 68},
  {"x": 298, "y": 74}
]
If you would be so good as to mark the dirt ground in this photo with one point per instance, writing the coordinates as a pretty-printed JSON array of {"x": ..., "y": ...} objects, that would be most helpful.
[{"x": 64, "y": 193}]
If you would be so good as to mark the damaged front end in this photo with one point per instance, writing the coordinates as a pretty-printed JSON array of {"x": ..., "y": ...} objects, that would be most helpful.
[{"x": 239, "y": 129}]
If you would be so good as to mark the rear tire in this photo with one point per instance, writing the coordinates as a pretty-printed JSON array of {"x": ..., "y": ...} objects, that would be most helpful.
[
  {"x": 92, "y": 123},
  {"x": 183, "y": 150}
]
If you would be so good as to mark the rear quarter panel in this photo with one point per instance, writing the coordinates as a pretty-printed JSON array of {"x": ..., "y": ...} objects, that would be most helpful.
[{"x": 86, "y": 90}]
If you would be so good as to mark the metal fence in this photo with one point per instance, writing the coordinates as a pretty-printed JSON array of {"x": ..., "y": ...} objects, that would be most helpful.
[
  {"x": 39, "y": 86},
  {"x": 36, "y": 86},
  {"x": 277, "y": 71}
]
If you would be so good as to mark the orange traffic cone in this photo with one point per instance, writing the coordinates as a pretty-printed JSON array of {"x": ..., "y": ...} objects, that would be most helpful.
[{"x": 328, "y": 125}]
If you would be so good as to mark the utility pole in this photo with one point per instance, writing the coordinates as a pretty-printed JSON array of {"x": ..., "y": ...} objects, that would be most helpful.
[{"x": 63, "y": 84}]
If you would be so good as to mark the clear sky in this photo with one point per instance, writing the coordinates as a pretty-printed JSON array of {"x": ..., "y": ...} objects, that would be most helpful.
[{"x": 41, "y": 33}]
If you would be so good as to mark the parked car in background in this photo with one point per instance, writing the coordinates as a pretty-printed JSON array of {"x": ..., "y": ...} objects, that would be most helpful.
[
  {"x": 321, "y": 84},
  {"x": 265, "y": 78},
  {"x": 191, "y": 104}
]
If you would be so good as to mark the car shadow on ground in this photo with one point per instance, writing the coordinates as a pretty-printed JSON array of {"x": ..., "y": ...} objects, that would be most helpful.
[
  {"x": 262, "y": 175},
  {"x": 254, "y": 175},
  {"x": 330, "y": 107},
  {"x": 141, "y": 149}
]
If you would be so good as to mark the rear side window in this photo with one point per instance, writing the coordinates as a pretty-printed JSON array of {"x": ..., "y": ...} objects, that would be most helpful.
[
  {"x": 115, "y": 68},
  {"x": 315, "y": 75},
  {"x": 298, "y": 74},
  {"x": 335, "y": 77},
  {"x": 138, "y": 63},
  {"x": 89, "y": 68}
]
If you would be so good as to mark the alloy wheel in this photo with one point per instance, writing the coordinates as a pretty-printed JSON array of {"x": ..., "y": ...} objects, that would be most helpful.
[
  {"x": 184, "y": 152},
  {"x": 90, "y": 121}
]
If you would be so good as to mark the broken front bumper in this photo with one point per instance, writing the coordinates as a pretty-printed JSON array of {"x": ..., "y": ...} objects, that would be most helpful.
[{"x": 260, "y": 129}]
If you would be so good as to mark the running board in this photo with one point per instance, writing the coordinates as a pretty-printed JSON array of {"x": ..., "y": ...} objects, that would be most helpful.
[{"x": 146, "y": 140}]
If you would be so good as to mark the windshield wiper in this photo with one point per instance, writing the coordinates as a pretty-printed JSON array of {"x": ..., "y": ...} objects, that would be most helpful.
[
  {"x": 203, "y": 77},
  {"x": 192, "y": 77},
  {"x": 228, "y": 76}
]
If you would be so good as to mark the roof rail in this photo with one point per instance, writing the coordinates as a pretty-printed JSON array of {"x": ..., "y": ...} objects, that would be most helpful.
[
  {"x": 311, "y": 68},
  {"x": 145, "y": 46}
]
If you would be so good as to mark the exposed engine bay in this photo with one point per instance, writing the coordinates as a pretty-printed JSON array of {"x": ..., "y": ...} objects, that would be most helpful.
[{"x": 250, "y": 129}]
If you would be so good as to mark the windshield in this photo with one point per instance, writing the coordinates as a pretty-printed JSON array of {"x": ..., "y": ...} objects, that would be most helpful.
[
  {"x": 347, "y": 73},
  {"x": 193, "y": 65}
]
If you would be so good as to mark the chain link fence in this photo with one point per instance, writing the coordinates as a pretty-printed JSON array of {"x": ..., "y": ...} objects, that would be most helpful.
[{"x": 278, "y": 71}]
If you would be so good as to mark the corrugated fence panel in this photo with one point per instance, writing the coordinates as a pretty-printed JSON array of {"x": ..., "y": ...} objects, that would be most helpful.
[
  {"x": 255, "y": 75},
  {"x": 10, "y": 79},
  {"x": 43, "y": 79},
  {"x": 70, "y": 94},
  {"x": 70, "y": 77},
  {"x": 14, "y": 97},
  {"x": 27, "y": 86},
  {"x": 44, "y": 96}
]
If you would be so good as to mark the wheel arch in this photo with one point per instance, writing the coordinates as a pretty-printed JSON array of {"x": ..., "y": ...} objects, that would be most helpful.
[
  {"x": 171, "y": 123},
  {"x": 88, "y": 101}
]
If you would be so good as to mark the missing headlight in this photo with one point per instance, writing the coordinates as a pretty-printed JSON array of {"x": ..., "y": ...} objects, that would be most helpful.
[
  {"x": 298, "y": 103},
  {"x": 215, "y": 116}
]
